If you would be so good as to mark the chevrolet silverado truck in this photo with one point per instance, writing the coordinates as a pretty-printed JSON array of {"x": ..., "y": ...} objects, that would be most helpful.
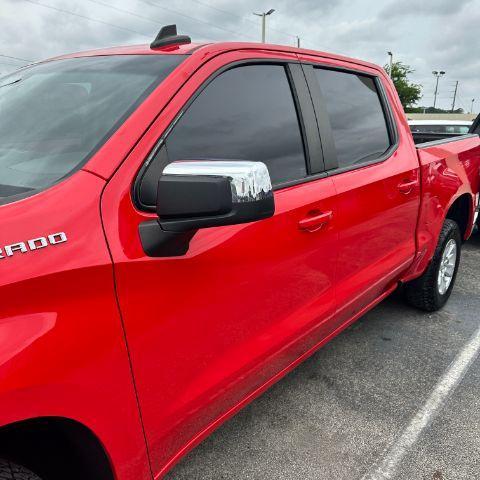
[{"x": 183, "y": 224}]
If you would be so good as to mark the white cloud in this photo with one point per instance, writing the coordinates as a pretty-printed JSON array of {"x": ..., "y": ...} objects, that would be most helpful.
[
  {"x": 413, "y": 8},
  {"x": 426, "y": 34}
]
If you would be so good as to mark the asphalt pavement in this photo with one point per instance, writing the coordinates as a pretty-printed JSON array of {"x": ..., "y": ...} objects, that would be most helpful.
[{"x": 364, "y": 401}]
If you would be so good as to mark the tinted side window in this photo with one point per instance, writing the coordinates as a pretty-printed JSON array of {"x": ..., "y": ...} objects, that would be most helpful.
[
  {"x": 359, "y": 128},
  {"x": 246, "y": 113}
]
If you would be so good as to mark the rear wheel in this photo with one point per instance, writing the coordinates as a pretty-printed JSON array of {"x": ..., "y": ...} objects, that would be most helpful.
[
  {"x": 13, "y": 471},
  {"x": 431, "y": 291}
]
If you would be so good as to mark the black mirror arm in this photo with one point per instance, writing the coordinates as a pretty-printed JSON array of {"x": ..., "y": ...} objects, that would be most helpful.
[{"x": 157, "y": 242}]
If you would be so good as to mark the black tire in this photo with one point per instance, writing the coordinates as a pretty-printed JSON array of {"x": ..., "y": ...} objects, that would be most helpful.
[
  {"x": 12, "y": 471},
  {"x": 423, "y": 292}
]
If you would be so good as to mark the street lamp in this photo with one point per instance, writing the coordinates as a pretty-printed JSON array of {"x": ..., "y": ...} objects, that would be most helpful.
[
  {"x": 437, "y": 76},
  {"x": 264, "y": 16},
  {"x": 471, "y": 108},
  {"x": 391, "y": 63}
]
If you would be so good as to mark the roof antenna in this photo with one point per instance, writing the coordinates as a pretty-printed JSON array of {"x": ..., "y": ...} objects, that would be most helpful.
[{"x": 168, "y": 36}]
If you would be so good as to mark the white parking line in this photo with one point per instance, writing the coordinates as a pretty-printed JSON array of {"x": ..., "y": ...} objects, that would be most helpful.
[{"x": 386, "y": 467}]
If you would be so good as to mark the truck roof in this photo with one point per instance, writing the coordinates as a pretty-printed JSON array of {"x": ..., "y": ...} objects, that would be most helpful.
[{"x": 210, "y": 49}]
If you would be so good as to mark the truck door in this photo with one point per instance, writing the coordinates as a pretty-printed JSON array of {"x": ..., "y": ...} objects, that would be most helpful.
[
  {"x": 208, "y": 329},
  {"x": 376, "y": 178}
]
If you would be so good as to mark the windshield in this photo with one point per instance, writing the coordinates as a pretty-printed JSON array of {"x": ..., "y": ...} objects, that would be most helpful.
[{"x": 54, "y": 116}]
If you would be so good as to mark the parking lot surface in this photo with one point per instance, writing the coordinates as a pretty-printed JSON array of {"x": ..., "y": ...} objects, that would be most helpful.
[{"x": 340, "y": 414}]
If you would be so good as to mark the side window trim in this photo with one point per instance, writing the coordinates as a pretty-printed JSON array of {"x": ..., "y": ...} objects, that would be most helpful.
[
  {"x": 326, "y": 134},
  {"x": 304, "y": 108},
  {"x": 323, "y": 120},
  {"x": 307, "y": 118}
]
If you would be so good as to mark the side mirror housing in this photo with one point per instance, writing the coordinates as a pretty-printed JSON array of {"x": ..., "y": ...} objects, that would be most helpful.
[{"x": 201, "y": 194}]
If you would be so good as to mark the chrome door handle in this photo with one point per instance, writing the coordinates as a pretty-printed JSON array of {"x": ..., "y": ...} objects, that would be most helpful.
[
  {"x": 407, "y": 186},
  {"x": 315, "y": 221}
]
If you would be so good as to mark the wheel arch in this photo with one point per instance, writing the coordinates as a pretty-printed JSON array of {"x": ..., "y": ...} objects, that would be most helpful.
[
  {"x": 56, "y": 448},
  {"x": 462, "y": 210}
]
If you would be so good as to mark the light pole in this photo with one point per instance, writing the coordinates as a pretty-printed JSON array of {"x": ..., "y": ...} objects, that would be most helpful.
[
  {"x": 391, "y": 63},
  {"x": 437, "y": 75},
  {"x": 471, "y": 108},
  {"x": 264, "y": 16},
  {"x": 454, "y": 96}
]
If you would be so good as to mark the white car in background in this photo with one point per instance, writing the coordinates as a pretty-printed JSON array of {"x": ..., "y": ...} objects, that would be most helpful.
[
  {"x": 424, "y": 131},
  {"x": 459, "y": 127}
]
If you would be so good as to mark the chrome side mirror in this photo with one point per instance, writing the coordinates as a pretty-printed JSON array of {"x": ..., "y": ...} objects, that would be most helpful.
[{"x": 201, "y": 194}]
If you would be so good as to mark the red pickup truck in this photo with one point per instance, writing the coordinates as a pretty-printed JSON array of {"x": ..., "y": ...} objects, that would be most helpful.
[{"x": 184, "y": 224}]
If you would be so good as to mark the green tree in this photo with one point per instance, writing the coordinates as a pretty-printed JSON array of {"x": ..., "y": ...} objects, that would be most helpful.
[{"x": 409, "y": 93}]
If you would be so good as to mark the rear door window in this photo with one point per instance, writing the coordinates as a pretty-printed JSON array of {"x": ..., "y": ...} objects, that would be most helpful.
[{"x": 357, "y": 119}]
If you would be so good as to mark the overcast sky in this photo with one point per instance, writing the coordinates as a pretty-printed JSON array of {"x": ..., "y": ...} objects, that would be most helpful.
[{"x": 426, "y": 34}]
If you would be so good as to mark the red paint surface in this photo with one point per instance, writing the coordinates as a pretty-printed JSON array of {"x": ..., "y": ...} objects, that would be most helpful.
[
  {"x": 62, "y": 349},
  {"x": 208, "y": 331}
]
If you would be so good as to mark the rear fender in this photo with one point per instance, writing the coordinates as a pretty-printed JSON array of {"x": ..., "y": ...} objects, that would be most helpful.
[{"x": 449, "y": 170}]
